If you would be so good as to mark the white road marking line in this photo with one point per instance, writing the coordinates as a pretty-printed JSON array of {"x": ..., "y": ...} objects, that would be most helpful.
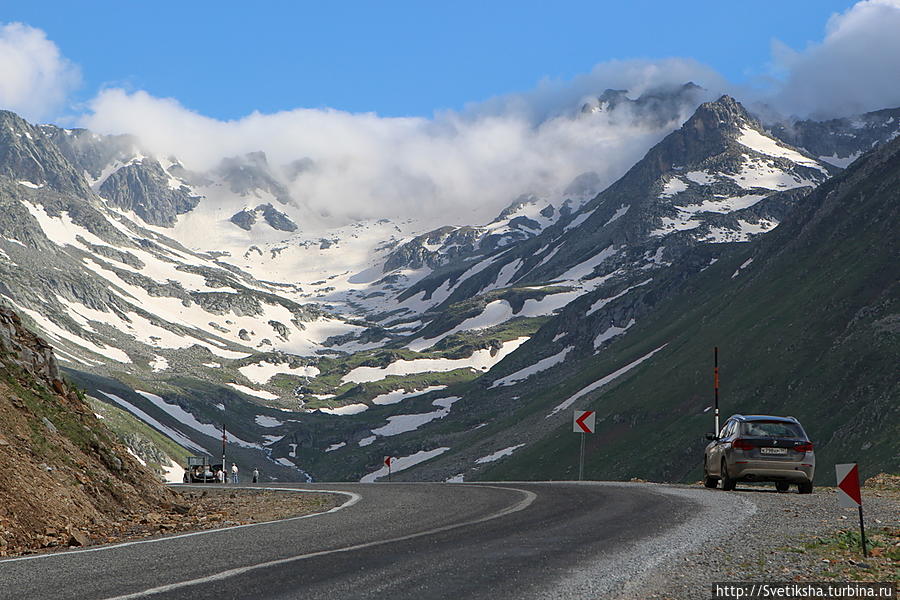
[
  {"x": 354, "y": 498},
  {"x": 521, "y": 505}
]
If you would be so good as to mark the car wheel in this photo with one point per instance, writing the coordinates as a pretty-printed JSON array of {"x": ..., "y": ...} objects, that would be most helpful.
[
  {"x": 708, "y": 480},
  {"x": 727, "y": 482},
  {"x": 782, "y": 486},
  {"x": 805, "y": 488}
]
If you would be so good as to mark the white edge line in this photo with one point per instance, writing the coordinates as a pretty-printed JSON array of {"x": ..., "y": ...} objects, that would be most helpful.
[
  {"x": 354, "y": 498},
  {"x": 521, "y": 505}
]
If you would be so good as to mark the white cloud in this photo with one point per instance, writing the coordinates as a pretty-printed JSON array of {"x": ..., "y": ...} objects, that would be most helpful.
[
  {"x": 855, "y": 69},
  {"x": 458, "y": 167},
  {"x": 464, "y": 166},
  {"x": 36, "y": 79}
]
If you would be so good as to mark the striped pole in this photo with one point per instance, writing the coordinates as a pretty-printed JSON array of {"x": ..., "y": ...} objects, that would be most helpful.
[{"x": 716, "y": 385}]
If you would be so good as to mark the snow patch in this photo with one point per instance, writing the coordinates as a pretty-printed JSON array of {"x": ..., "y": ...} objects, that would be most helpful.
[
  {"x": 541, "y": 365},
  {"x": 398, "y": 424},
  {"x": 251, "y": 392},
  {"x": 480, "y": 360},
  {"x": 262, "y": 372},
  {"x": 672, "y": 187},
  {"x": 348, "y": 409},
  {"x": 396, "y": 396},
  {"x": 404, "y": 462},
  {"x": 610, "y": 333},
  {"x": 601, "y": 382},
  {"x": 498, "y": 455},
  {"x": 620, "y": 212},
  {"x": 267, "y": 421},
  {"x": 159, "y": 363},
  {"x": 604, "y": 301},
  {"x": 765, "y": 145}
]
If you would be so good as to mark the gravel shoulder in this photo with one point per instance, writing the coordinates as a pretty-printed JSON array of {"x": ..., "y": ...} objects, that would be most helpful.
[{"x": 784, "y": 537}]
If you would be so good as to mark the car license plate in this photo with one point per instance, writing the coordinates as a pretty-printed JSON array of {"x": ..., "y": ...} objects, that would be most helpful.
[{"x": 773, "y": 450}]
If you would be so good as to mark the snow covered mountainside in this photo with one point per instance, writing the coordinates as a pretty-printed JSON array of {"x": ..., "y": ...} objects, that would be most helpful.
[{"x": 192, "y": 299}]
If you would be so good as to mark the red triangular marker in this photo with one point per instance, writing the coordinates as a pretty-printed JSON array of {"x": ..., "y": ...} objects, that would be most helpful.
[{"x": 850, "y": 484}]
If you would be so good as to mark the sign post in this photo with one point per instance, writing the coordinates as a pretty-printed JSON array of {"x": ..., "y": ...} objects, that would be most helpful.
[
  {"x": 716, "y": 385},
  {"x": 583, "y": 422},
  {"x": 849, "y": 495},
  {"x": 224, "y": 439},
  {"x": 387, "y": 461}
]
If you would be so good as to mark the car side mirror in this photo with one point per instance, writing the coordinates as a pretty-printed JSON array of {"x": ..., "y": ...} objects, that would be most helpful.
[{"x": 711, "y": 437}]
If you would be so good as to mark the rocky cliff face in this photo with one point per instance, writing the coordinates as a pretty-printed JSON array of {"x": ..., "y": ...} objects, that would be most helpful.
[
  {"x": 143, "y": 187},
  {"x": 63, "y": 477},
  {"x": 841, "y": 141},
  {"x": 276, "y": 219}
]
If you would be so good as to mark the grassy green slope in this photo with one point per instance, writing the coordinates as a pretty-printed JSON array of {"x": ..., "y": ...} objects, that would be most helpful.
[
  {"x": 810, "y": 328},
  {"x": 152, "y": 446}
]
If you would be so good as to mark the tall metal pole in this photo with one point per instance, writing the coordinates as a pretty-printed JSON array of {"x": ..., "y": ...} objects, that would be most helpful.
[
  {"x": 224, "y": 470},
  {"x": 581, "y": 460},
  {"x": 716, "y": 385}
]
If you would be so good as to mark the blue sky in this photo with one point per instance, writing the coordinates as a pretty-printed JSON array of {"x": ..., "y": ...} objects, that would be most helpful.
[{"x": 227, "y": 59}]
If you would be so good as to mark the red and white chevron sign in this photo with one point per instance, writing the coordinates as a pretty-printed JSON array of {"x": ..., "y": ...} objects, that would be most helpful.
[
  {"x": 584, "y": 421},
  {"x": 848, "y": 485}
]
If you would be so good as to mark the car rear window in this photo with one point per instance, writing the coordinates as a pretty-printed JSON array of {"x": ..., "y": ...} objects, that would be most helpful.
[{"x": 777, "y": 429}]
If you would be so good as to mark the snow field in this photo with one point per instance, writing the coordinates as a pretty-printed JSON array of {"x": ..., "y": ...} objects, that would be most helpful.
[{"x": 480, "y": 359}]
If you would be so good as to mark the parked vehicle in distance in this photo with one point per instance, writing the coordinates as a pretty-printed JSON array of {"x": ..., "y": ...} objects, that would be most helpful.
[
  {"x": 200, "y": 471},
  {"x": 760, "y": 448}
]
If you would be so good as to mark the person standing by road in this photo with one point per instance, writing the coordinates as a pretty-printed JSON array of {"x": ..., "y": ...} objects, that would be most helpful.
[
  {"x": 234, "y": 473},
  {"x": 255, "y": 475}
]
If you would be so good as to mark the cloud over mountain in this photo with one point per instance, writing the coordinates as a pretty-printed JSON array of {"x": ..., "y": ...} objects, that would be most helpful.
[
  {"x": 464, "y": 166},
  {"x": 36, "y": 78},
  {"x": 853, "y": 70},
  {"x": 461, "y": 166}
]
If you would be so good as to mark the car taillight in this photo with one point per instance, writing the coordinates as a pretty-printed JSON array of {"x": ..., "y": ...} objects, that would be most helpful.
[
  {"x": 742, "y": 444},
  {"x": 804, "y": 447}
]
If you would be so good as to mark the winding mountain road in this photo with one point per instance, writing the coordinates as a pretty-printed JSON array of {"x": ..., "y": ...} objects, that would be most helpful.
[{"x": 402, "y": 540}]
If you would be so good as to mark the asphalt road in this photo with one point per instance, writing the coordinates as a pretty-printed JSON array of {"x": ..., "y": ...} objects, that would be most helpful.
[{"x": 402, "y": 540}]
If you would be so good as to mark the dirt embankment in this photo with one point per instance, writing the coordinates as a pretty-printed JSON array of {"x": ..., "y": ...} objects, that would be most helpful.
[{"x": 63, "y": 475}]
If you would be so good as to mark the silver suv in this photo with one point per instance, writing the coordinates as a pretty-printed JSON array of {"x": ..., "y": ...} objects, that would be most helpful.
[{"x": 760, "y": 448}]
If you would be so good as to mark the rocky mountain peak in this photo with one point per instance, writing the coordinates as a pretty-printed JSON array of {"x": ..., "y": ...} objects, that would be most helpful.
[
  {"x": 251, "y": 175},
  {"x": 143, "y": 187},
  {"x": 90, "y": 152},
  {"x": 658, "y": 106},
  {"x": 27, "y": 155},
  {"x": 725, "y": 116}
]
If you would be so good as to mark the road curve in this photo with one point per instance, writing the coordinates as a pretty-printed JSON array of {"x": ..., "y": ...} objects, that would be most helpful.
[{"x": 403, "y": 540}]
